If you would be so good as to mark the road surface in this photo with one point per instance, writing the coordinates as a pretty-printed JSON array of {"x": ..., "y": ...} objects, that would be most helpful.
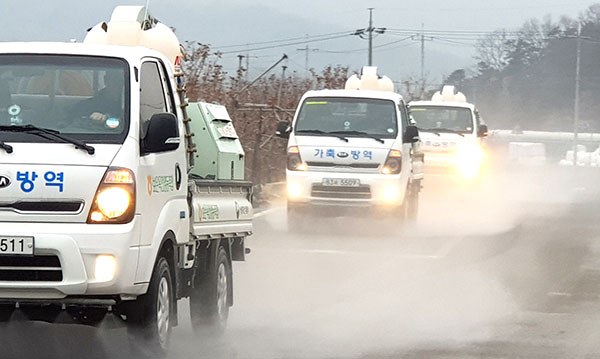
[{"x": 506, "y": 268}]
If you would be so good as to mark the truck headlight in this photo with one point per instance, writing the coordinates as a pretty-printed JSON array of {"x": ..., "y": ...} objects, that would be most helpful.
[
  {"x": 114, "y": 201},
  {"x": 469, "y": 157},
  {"x": 393, "y": 163},
  {"x": 294, "y": 161}
]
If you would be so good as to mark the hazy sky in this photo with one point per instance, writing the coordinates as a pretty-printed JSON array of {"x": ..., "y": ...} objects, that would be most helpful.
[{"x": 238, "y": 22}]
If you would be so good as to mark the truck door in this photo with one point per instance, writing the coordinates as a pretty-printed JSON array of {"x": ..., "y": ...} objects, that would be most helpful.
[
  {"x": 161, "y": 176},
  {"x": 417, "y": 157}
]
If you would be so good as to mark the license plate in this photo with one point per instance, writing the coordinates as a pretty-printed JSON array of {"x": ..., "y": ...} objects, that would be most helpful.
[
  {"x": 341, "y": 182},
  {"x": 14, "y": 245}
]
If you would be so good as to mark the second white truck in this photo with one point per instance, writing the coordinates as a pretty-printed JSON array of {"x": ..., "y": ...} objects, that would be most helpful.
[{"x": 352, "y": 150}]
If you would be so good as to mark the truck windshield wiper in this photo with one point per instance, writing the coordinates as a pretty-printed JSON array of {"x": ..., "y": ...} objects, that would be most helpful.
[
  {"x": 324, "y": 133},
  {"x": 437, "y": 131},
  {"x": 40, "y": 131},
  {"x": 360, "y": 133},
  {"x": 5, "y": 147},
  {"x": 429, "y": 130}
]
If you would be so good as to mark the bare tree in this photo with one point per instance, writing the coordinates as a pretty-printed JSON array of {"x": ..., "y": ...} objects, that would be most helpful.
[{"x": 493, "y": 51}]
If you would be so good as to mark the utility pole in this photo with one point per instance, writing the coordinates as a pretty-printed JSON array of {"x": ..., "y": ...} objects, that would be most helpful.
[
  {"x": 370, "y": 30},
  {"x": 281, "y": 84},
  {"x": 422, "y": 38},
  {"x": 247, "y": 64},
  {"x": 577, "y": 85},
  {"x": 422, "y": 58},
  {"x": 240, "y": 58},
  {"x": 307, "y": 50}
]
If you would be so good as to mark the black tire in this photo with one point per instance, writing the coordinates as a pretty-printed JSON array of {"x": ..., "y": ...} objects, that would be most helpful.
[
  {"x": 410, "y": 207},
  {"x": 210, "y": 299},
  {"x": 150, "y": 316},
  {"x": 6, "y": 311},
  {"x": 295, "y": 220}
]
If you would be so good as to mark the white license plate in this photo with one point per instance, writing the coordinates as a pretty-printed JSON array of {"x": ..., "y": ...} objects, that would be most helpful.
[
  {"x": 341, "y": 182},
  {"x": 15, "y": 245}
]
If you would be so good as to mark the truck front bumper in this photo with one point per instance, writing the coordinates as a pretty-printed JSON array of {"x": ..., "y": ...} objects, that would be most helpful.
[
  {"x": 77, "y": 247},
  {"x": 374, "y": 191}
]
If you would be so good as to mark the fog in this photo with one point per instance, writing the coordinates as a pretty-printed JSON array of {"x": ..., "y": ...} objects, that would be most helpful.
[{"x": 479, "y": 256}]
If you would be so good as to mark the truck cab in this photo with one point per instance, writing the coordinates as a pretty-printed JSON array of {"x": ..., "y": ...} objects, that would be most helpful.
[
  {"x": 352, "y": 150},
  {"x": 452, "y": 134}
]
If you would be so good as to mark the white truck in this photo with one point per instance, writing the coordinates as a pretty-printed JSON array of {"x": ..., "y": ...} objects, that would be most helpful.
[
  {"x": 451, "y": 132},
  {"x": 101, "y": 209},
  {"x": 352, "y": 150}
]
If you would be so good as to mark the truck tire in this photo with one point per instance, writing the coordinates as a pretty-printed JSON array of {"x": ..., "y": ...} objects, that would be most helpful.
[
  {"x": 295, "y": 220},
  {"x": 6, "y": 311},
  {"x": 150, "y": 315},
  {"x": 209, "y": 302},
  {"x": 411, "y": 203}
]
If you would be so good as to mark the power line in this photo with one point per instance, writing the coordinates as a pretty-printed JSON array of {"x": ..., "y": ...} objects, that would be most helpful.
[
  {"x": 362, "y": 49},
  {"x": 286, "y": 44},
  {"x": 282, "y": 40}
]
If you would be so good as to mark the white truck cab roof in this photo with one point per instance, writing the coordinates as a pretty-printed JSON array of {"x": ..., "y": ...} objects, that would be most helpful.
[
  {"x": 131, "y": 54},
  {"x": 383, "y": 95},
  {"x": 443, "y": 104}
]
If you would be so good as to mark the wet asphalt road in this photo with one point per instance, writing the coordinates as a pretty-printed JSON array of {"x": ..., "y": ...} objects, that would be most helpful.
[{"x": 505, "y": 268}]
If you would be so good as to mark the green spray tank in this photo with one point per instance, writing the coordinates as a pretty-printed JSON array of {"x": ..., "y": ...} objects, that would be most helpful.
[{"x": 219, "y": 153}]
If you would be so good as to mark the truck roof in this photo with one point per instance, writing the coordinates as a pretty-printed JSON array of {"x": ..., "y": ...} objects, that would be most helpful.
[
  {"x": 443, "y": 104},
  {"x": 384, "y": 95},
  {"x": 132, "y": 53}
]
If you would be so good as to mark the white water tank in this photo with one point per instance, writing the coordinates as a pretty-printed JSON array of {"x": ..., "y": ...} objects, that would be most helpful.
[
  {"x": 369, "y": 80},
  {"x": 449, "y": 94},
  {"x": 134, "y": 26}
]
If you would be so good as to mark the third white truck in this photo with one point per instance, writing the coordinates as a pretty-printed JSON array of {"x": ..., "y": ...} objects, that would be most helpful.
[{"x": 452, "y": 132}]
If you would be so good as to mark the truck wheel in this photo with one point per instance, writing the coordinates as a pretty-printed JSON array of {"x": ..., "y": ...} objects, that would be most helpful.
[
  {"x": 294, "y": 220},
  {"x": 411, "y": 209},
  {"x": 6, "y": 311},
  {"x": 150, "y": 314},
  {"x": 209, "y": 302}
]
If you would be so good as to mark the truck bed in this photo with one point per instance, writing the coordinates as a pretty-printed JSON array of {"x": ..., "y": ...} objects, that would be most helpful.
[{"x": 220, "y": 208}]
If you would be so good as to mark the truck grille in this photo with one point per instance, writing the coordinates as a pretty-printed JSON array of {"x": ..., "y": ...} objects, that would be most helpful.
[
  {"x": 350, "y": 165},
  {"x": 30, "y": 269},
  {"x": 320, "y": 191},
  {"x": 43, "y": 206}
]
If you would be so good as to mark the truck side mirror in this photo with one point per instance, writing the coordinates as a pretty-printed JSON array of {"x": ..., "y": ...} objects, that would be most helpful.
[
  {"x": 284, "y": 128},
  {"x": 411, "y": 134},
  {"x": 482, "y": 131},
  {"x": 162, "y": 134}
]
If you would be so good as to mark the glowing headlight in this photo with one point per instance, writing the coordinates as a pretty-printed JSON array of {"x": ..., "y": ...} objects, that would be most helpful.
[
  {"x": 469, "y": 157},
  {"x": 113, "y": 202},
  {"x": 390, "y": 193},
  {"x": 294, "y": 190},
  {"x": 106, "y": 266}
]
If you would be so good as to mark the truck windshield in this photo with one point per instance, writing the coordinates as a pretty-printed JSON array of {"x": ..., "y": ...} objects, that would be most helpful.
[
  {"x": 82, "y": 97},
  {"x": 443, "y": 119},
  {"x": 352, "y": 117}
]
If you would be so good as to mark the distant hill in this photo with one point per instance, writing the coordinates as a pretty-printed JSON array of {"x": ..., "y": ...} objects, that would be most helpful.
[{"x": 222, "y": 25}]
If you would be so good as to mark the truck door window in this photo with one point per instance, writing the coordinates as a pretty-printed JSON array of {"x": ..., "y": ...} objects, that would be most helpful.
[
  {"x": 168, "y": 90},
  {"x": 152, "y": 98},
  {"x": 404, "y": 114}
]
